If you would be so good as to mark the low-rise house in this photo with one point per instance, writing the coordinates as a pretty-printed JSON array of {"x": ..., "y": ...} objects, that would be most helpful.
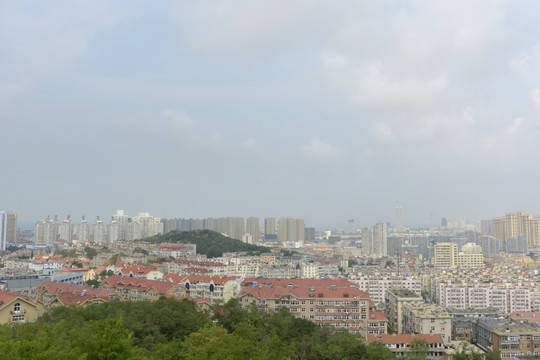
[
  {"x": 17, "y": 309},
  {"x": 53, "y": 294},
  {"x": 207, "y": 287},
  {"x": 133, "y": 289}
]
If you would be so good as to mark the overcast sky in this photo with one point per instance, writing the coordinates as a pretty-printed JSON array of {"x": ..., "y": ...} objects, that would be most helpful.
[{"x": 326, "y": 110}]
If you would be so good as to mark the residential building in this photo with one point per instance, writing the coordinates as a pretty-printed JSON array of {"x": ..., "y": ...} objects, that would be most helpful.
[
  {"x": 375, "y": 240},
  {"x": 133, "y": 289},
  {"x": 445, "y": 255},
  {"x": 15, "y": 308},
  {"x": 11, "y": 228},
  {"x": 512, "y": 339},
  {"x": 395, "y": 299},
  {"x": 517, "y": 224},
  {"x": 419, "y": 318},
  {"x": 377, "y": 285},
  {"x": 402, "y": 344},
  {"x": 252, "y": 228},
  {"x": 337, "y": 303}
]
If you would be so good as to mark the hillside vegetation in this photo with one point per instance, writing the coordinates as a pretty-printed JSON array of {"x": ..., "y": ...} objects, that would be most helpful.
[{"x": 208, "y": 242}]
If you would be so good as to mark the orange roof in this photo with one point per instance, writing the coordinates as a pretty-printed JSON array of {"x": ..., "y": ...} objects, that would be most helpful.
[
  {"x": 194, "y": 279},
  {"x": 129, "y": 282},
  {"x": 6, "y": 297}
]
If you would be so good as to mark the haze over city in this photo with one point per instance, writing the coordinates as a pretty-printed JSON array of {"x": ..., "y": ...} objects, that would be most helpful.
[{"x": 321, "y": 110}]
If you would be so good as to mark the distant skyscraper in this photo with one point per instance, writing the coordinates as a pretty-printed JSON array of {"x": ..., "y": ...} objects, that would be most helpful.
[
  {"x": 98, "y": 231},
  {"x": 486, "y": 227},
  {"x": 65, "y": 230},
  {"x": 252, "y": 228},
  {"x": 3, "y": 229},
  {"x": 291, "y": 230},
  {"x": 83, "y": 230},
  {"x": 310, "y": 234},
  {"x": 375, "y": 240},
  {"x": 444, "y": 223},
  {"x": 518, "y": 224},
  {"x": 350, "y": 228},
  {"x": 47, "y": 231},
  {"x": 11, "y": 228},
  {"x": 270, "y": 226}
]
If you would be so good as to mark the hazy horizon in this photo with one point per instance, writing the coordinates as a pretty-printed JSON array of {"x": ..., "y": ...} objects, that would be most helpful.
[{"x": 321, "y": 110}]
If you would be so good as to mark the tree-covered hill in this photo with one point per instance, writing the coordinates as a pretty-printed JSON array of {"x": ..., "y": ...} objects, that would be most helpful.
[{"x": 208, "y": 242}]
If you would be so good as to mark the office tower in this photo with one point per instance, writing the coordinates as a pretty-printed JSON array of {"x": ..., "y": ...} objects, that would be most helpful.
[
  {"x": 518, "y": 224},
  {"x": 252, "y": 228},
  {"x": 11, "y": 228},
  {"x": 47, "y": 231},
  {"x": 3, "y": 230},
  {"x": 65, "y": 230},
  {"x": 270, "y": 226},
  {"x": 375, "y": 240},
  {"x": 445, "y": 255},
  {"x": 350, "y": 228},
  {"x": 83, "y": 230},
  {"x": 291, "y": 230},
  {"x": 98, "y": 231}
]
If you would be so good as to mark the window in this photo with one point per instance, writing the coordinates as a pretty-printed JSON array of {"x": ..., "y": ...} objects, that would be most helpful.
[
  {"x": 17, "y": 307},
  {"x": 18, "y": 318}
]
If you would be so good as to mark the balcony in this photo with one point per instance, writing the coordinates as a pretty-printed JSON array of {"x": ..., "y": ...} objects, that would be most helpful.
[{"x": 20, "y": 312}]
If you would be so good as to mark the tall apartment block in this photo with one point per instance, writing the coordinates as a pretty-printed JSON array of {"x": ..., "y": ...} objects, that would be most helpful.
[
  {"x": 252, "y": 228},
  {"x": 291, "y": 230},
  {"x": 375, "y": 240},
  {"x": 514, "y": 225}
]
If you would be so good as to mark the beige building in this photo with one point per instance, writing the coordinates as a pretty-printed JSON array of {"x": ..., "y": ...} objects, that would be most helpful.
[
  {"x": 326, "y": 302},
  {"x": 395, "y": 299},
  {"x": 513, "y": 225},
  {"x": 17, "y": 309},
  {"x": 513, "y": 339},
  {"x": 270, "y": 226},
  {"x": 401, "y": 345},
  {"x": 291, "y": 230},
  {"x": 419, "y": 318},
  {"x": 252, "y": 228},
  {"x": 446, "y": 256},
  {"x": 133, "y": 289}
]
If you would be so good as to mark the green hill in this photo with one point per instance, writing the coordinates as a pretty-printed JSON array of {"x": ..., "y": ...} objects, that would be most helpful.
[{"x": 208, "y": 242}]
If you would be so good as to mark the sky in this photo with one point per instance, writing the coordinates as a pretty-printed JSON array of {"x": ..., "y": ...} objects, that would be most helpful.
[{"x": 322, "y": 110}]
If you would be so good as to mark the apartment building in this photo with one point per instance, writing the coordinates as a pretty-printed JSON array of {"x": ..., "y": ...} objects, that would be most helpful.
[
  {"x": 376, "y": 286},
  {"x": 419, "y": 318},
  {"x": 513, "y": 339},
  {"x": 395, "y": 299},
  {"x": 338, "y": 303},
  {"x": 212, "y": 288}
]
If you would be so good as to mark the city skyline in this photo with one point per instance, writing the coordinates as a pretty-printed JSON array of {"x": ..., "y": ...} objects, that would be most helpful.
[{"x": 316, "y": 110}]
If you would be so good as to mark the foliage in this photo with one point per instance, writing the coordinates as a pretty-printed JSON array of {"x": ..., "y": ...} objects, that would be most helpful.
[
  {"x": 208, "y": 242},
  {"x": 176, "y": 330},
  {"x": 140, "y": 251},
  {"x": 92, "y": 282},
  {"x": 90, "y": 252}
]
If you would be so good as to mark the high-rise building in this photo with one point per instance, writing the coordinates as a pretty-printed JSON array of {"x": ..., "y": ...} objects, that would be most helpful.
[
  {"x": 3, "y": 229},
  {"x": 252, "y": 228},
  {"x": 270, "y": 226},
  {"x": 445, "y": 255},
  {"x": 47, "y": 231},
  {"x": 65, "y": 230},
  {"x": 375, "y": 240},
  {"x": 11, "y": 228},
  {"x": 486, "y": 227},
  {"x": 83, "y": 230},
  {"x": 350, "y": 227},
  {"x": 517, "y": 224},
  {"x": 291, "y": 230},
  {"x": 98, "y": 231}
]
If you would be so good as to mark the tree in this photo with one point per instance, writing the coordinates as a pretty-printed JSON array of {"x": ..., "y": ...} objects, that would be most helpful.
[
  {"x": 90, "y": 252},
  {"x": 92, "y": 282},
  {"x": 418, "y": 350}
]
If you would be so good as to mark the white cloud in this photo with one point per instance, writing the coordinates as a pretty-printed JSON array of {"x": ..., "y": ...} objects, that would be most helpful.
[{"x": 322, "y": 150}]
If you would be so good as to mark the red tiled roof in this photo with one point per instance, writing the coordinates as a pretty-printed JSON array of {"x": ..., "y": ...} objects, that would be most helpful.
[
  {"x": 194, "y": 279},
  {"x": 119, "y": 263},
  {"x": 129, "y": 282},
  {"x": 405, "y": 338},
  {"x": 6, "y": 297}
]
